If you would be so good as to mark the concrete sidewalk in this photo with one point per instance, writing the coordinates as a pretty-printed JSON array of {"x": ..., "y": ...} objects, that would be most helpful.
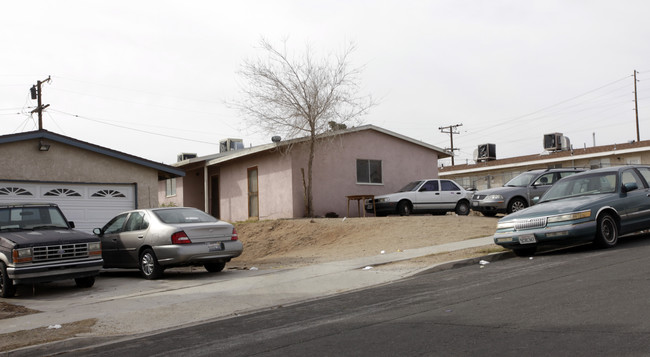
[{"x": 170, "y": 304}]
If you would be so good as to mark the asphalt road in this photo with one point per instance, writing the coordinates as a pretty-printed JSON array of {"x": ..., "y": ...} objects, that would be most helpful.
[{"x": 575, "y": 302}]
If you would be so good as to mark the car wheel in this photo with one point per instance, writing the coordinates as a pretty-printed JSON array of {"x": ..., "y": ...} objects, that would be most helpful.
[
  {"x": 489, "y": 214},
  {"x": 525, "y": 252},
  {"x": 214, "y": 267},
  {"x": 462, "y": 208},
  {"x": 404, "y": 208},
  {"x": 516, "y": 204},
  {"x": 149, "y": 266},
  {"x": 85, "y": 282},
  {"x": 7, "y": 288},
  {"x": 607, "y": 231}
]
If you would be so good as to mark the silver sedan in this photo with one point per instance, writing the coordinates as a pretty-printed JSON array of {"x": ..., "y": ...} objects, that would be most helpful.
[{"x": 159, "y": 238}]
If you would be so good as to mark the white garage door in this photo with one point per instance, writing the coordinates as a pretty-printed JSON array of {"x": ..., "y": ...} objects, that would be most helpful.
[{"x": 87, "y": 205}]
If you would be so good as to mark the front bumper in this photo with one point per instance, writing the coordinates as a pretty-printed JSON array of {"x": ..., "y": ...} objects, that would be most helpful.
[
  {"x": 382, "y": 208},
  {"x": 197, "y": 253},
  {"x": 488, "y": 206},
  {"x": 51, "y": 271},
  {"x": 560, "y": 234}
]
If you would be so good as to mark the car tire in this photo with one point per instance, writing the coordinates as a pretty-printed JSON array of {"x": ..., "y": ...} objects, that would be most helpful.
[
  {"x": 149, "y": 267},
  {"x": 404, "y": 208},
  {"x": 517, "y": 204},
  {"x": 7, "y": 287},
  {"x": 85, "y": 282},
  {"x": 462, "y": 208},
  {"x": 606, "y": 231},
  {"x": 214, "y": 267},
  {"x": 525, "y": 252}
]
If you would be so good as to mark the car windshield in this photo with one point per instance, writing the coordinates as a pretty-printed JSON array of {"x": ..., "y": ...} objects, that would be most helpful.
[
  {"x": 522, "y": 180},
  {"x": 183, "y": 215},
  {"x": 31, "y": 217},
  {"x": 581, "y": 185},
  {"x": 411, "y": 186}
]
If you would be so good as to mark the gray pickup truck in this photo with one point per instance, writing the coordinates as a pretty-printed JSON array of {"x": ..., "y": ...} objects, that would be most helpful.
[{"x": 38, "y": 244}]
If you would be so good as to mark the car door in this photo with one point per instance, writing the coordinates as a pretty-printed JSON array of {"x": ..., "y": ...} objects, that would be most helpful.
[
  {"x": 427, "y": 197},
  {"x": 540, "y": 186},
  {"x": 450, "y": 193},
  {"x": 634, "y": 206},
  {"x": 131, "y": 238},
  {"x": 109, "y": 238}
]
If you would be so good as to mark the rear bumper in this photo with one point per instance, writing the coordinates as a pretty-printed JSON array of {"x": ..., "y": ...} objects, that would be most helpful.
[
  {"x": 197, "y": 253},
  {"x": 44, "y": 272}
]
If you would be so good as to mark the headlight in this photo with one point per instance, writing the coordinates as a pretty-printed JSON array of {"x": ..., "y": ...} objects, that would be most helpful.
[
  {"x": 494, "y": 198},
  {"x": 95, "y": 248},
  {"x": 22, "y": 255},
  {"x": 569, "y": 216},
  {"x": 506, "y": 225},
  {"x": 380, "y": 200}
]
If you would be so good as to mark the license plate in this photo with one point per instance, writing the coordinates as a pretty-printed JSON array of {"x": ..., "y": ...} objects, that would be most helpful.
[
  {"x": 368, "y": 206},
  {"x": 214, "y": 246},
  {"x": 527, "y": 239}
]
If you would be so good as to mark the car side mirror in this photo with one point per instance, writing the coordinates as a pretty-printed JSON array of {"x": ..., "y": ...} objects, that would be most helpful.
[
  {"x": 535, "y": 200},
  {"x": 630, "y": 186},
  {"x": 71, "y": 224},
  {"x": 98, "y": 232}
]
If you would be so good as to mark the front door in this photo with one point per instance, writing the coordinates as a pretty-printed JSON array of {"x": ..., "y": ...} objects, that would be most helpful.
[
  {"x": 214, "y": 196},
  {"x": 253, "y": 194}
]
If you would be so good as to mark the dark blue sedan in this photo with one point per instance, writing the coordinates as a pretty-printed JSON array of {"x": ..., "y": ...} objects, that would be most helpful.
[{"x": 594, "y": 206}]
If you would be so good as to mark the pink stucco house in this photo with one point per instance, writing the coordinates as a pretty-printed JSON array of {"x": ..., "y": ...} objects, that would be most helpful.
[{"x": 265, "y": 182}]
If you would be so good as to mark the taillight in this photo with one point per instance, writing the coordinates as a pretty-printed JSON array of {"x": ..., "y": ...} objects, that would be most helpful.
[
  {"x": 234, "y": 235},
  {"x": 180, "y": 238}
]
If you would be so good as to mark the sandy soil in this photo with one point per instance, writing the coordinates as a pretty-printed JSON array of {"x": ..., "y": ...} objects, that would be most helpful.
[{"x": 281, "y": 244}]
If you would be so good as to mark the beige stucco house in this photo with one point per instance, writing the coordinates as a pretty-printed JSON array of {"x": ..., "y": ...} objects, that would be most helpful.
[
  {"x": 89, "y": 182},
  {"x": 266, "y": 181},
  {"x": 495, "y": 173}
]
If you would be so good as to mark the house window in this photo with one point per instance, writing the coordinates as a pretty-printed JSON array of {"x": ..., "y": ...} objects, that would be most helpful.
[
  {"x": 369, "y": 171},
  {"x": 253, "y": 194},
  {"x": 170, "y": 187}
]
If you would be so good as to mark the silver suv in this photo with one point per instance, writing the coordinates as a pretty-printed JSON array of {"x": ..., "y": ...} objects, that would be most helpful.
[{"x": 519, "y": 192}]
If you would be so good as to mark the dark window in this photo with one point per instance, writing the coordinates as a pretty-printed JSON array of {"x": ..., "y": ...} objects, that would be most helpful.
[
  {"x": 369, "y": 171},
  {"x": 448, "y": 186},
  {"x": 429, "y": 186},
  {"x": 115, "y": 225}
]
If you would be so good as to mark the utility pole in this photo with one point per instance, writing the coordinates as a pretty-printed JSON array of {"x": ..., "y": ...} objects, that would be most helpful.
[
  {"x": 636, "y": 110},
  {"x": 451, "y": 130},
  {"x": 37, "y": 94}
]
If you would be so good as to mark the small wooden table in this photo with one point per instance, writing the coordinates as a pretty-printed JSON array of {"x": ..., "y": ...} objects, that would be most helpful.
[{"x": 360, "y": 198}]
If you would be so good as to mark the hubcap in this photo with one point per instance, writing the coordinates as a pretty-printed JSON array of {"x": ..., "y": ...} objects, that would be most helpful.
[
  {"x": 147, "y": 264},
  {"x": 517, "y": 206}
]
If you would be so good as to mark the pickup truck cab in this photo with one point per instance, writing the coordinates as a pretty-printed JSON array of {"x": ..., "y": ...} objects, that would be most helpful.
[{"x": 38, "y": 244}]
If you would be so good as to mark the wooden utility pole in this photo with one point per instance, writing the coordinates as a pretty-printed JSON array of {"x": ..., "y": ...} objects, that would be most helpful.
[
  {"x": 451, "y": 130},
  {"x": 636, "y": 110},
  {"x": 37, "y": 94}
]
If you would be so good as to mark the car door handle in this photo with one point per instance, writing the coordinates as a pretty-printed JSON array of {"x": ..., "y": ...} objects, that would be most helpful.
[{"x": 140, "y": 236}]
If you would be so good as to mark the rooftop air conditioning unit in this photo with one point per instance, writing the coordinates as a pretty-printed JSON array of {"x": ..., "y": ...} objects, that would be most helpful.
[
  {"x": 556, "y": 142},
  {"x": 230, "y": 145},
  {"x": 486, "y": 152},
  {"x": 185, "y": 156}
]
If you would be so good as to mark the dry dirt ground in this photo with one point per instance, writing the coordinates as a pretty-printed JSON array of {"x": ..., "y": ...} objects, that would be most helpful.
[{"x": 282, "y": 244}]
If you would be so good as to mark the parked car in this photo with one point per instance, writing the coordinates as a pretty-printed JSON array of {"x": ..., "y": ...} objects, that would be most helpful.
[
  {"x": 594, "y": 206},
  {"x": 155, "y": 239},
  {"x": 425, "y": 196},
  {"x": 519, "y": 192},
  {"x": 38, "y": 244}
]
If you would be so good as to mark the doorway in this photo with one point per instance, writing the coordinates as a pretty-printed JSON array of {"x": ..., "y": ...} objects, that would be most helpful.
[{"x": 214, "y": 197}]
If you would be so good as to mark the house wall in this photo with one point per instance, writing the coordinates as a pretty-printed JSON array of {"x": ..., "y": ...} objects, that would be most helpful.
[
  {"x": 23, "y": 161},
  {"x": 274, "y": 186},
  {"x": 497, "y": 177},
  {"x": 335, "y": 169}
]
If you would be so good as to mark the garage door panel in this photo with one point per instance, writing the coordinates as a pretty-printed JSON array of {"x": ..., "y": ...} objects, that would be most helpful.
[{"x": 89, "y": 205}]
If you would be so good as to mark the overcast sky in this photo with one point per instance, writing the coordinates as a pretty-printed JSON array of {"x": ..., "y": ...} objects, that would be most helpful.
[{"x": 150, "y": 78}]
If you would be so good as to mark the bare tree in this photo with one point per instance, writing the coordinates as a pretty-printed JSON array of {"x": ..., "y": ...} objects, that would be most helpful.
[{"x": 301, "y": 96}]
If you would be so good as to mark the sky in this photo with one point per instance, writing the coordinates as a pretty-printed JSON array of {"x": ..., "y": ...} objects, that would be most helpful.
[{"x": 153, "y": 78}]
